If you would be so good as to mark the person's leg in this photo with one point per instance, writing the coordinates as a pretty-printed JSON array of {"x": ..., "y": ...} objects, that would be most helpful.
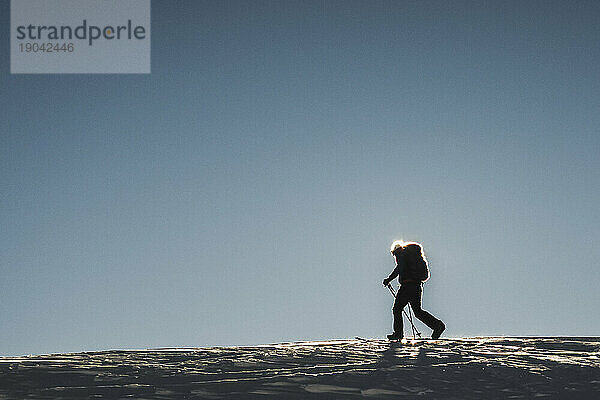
[
  {"x": 402, "y": 299},
  {"x": 427, "y": 318}
]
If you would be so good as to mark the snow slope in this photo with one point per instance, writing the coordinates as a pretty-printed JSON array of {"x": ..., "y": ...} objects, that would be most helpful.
[{"x": 474, "y": 368}]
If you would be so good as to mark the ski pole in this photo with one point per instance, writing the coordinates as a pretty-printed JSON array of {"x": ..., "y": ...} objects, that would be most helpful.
[
  {"x": 412, "y": 325},
  {"x": 391, "y": 290},
  {"x": 410, "y": 312},
  {"x": 408, "y": 316}
]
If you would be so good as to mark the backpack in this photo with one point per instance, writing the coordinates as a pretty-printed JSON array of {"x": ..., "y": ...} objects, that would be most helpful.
[{"x": 416, "y": 263}]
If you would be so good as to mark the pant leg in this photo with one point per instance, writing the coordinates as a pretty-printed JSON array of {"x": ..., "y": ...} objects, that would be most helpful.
[
  {"x": 424, "y": 316},
  {"x": 402, "y": 298}
]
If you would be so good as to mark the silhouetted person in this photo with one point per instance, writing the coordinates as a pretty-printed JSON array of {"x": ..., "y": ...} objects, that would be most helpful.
[{"x": 411, "y": 270}]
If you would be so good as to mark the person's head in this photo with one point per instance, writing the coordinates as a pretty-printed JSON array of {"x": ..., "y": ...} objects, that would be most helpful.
[
  {"x": 409, "y": 247},
  {"x": 396, "y": 247}
]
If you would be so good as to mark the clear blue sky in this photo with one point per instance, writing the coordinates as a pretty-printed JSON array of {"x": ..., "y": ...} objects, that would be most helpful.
[{"x": 247, "y": 191}]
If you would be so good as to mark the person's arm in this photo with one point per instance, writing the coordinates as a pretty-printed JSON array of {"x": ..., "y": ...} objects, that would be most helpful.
[{"x": 397, "y": 271}]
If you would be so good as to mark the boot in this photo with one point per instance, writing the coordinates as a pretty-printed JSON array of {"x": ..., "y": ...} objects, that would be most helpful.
[{"x": 437, "y": 332}]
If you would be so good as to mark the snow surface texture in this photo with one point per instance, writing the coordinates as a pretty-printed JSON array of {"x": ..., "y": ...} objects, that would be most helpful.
[{"x": 476, "y": 368}]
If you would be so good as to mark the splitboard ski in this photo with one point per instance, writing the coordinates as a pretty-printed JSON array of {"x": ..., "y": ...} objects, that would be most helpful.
[
  {"x": 414, "y": 341},
  {"x": 401, "y": 342}
]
